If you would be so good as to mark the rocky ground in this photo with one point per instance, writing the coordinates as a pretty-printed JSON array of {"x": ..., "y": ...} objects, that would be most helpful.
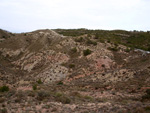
[{"x": 43, "y": 71}]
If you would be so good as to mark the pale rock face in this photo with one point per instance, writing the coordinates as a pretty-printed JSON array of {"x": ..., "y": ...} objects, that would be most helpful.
[
  {"x": 53, "y": 73},
  {"x": 29, "y": 67},
  {"x": 11, "y": 53},
  {"x": 42, "y": 58},
  {"x": 106, "y": 62},
  {"x": 116, "y": 76}
]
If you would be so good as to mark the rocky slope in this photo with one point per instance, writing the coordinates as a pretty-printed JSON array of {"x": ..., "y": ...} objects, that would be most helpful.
[{"x": 49, "y": 72}]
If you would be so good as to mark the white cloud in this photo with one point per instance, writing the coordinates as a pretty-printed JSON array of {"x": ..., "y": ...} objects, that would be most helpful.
[{"x": 27, "y": 15}]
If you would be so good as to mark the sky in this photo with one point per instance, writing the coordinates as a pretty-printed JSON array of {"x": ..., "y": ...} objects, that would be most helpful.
[{"x": 28, "y": 15}]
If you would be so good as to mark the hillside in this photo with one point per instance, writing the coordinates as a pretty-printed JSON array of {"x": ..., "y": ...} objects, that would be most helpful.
[
  {"x": 133, "y": 39},
  {"x": 75, "y": 70}
]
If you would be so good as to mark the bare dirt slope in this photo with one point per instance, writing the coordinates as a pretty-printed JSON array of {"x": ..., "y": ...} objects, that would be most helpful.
[{"x": 49, "y": 72}]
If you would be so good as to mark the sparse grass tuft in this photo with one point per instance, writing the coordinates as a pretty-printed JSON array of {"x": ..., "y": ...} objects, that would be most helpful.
[
  {"x": 60, "y": 97},
  {"x": 88, "y": 97},
  {"x": 42, "y": 95}
]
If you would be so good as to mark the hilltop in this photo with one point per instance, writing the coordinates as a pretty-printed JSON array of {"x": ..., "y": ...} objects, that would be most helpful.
[{"x": 75, "y": 70}]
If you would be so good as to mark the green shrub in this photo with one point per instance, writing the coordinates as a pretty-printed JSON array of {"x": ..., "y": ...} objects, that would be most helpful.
[
  {"x": 76, "y": 94},
  {"x": 103, "y": 65},
  {"x": 2, "y": 100},
  {"x": 74, "y": 50},
  {"x": 147, "y": 108},
  {"x": 4, "y": 110},
  {"x": 147, "y": 95},
  {"x": 102, "y": 40},
  {"x": 64, "y": 100},
  {"x": 4, "y": 37},
  {"x": 96, "y": 36},
  {"x": 34, "y": 87},
  {"x": 19, "y": 96},
  {"x": 60, "y": 83},
  {"x": 88, "y": 35},
  {"x": 71, "y": 65},
  {"x": 108, "y": 41},
  {"x": 116, "y": 44},
  {"x": 127, "y": 50},
  {"x": 148, "y": 91},
  {"x": 4, "y": 89},
  {"x": 39, "y": 81},
  {"x": 113, "y": 48},
  {"x": 148, "y": 49},
  {"x": 87, "y": 52},
  {"x": 79, "y": 39},
  {"x": 91, "y": 42}
]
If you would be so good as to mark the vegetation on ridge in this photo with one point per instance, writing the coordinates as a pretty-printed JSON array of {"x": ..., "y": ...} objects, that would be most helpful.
[{"x": 133, "y": 39}]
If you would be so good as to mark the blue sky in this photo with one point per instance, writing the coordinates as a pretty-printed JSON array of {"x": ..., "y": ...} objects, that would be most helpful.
[{"x": 29, "y": 15}]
